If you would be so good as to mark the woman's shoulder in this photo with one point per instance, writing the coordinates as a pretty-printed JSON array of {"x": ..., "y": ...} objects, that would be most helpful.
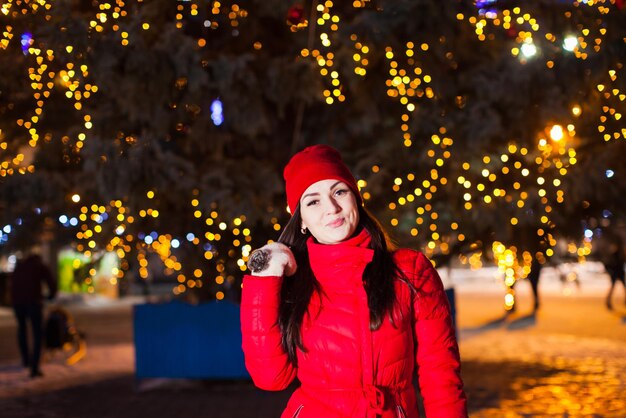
[
  {"x": 417, "y": 270},
  {"x": 411, "y": 261}
]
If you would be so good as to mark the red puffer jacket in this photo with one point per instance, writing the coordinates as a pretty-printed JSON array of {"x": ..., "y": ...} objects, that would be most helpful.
[{"x": 348, "y": 370}]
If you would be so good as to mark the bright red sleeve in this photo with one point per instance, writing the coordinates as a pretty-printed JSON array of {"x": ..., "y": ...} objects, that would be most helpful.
[
  {"x": 438, "y": 360},
  {"x": 265, "y": 358}
]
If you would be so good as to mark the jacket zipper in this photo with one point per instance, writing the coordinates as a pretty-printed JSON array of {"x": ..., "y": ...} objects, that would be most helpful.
[
  {"x": 295, "y": 414},
  {"x": 400, "y": 411}
]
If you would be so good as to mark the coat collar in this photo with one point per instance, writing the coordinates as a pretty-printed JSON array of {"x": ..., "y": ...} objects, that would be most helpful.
[{"x": 329, "y": 261}]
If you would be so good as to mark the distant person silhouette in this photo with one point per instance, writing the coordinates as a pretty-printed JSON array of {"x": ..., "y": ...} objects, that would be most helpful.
[
  {"x": 533, "y": 278},
  {"x": 614, "y": 266},
  {"x": 27, "y": 301}
]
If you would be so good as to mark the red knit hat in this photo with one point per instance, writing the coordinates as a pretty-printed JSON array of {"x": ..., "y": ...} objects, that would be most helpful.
[{"x": 312, "y": 164}]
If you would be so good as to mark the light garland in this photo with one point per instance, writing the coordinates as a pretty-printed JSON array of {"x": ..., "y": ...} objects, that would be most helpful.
[{"x": 492, "y": 179}]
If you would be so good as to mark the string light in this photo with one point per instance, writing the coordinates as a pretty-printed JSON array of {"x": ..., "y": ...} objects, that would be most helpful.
[
  {"x": 548, "y": 160},
  {"x": 522, "y": 175}
]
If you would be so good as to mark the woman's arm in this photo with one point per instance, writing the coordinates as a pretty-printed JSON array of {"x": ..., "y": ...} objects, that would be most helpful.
[
  {"x": 265, "y": 358},
  {"x": 437, "y": 357},
  {"x": 261, "y": 340}
]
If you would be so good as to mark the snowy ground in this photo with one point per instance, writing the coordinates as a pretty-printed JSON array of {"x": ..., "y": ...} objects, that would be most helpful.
[{"x": 591, "y": 277}]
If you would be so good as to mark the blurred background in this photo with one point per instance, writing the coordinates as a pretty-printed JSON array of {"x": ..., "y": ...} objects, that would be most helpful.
[{"x": 142, "y": 146}]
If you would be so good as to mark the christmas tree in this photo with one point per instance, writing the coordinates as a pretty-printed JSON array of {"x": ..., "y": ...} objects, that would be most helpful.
[{"x": 157, "y": 130}]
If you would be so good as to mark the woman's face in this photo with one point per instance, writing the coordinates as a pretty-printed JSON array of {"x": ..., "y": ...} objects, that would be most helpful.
[{"x": 330, "y": 211}]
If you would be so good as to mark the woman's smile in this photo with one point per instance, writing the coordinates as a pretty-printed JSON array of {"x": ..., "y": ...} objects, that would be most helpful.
[{"x": 336, "y": 223}]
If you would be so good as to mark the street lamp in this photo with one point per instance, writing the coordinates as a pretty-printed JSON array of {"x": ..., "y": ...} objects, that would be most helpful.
[
  {"x": 556, "y": 133},
  {"x": 570, "y": 43}
]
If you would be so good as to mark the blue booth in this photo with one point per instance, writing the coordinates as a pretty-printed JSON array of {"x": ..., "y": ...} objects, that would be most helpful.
[{"x": 180, "y": 340}]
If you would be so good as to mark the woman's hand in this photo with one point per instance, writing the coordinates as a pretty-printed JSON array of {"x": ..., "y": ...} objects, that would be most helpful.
[{"x": 273, "y": 259}]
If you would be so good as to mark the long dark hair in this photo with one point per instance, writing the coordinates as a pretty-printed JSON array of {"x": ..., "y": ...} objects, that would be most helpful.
[{"x": 297, "y": 290}]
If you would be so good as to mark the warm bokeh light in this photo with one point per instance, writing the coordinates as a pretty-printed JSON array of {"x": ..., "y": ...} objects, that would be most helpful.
[{"x": 526, "y": 174}]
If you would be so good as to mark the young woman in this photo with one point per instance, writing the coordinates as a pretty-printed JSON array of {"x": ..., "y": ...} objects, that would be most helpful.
[{"x": 334, "y": 305}]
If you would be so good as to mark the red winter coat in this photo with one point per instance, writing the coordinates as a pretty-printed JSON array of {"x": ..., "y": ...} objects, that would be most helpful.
[{"x": 348, "y": 370}]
